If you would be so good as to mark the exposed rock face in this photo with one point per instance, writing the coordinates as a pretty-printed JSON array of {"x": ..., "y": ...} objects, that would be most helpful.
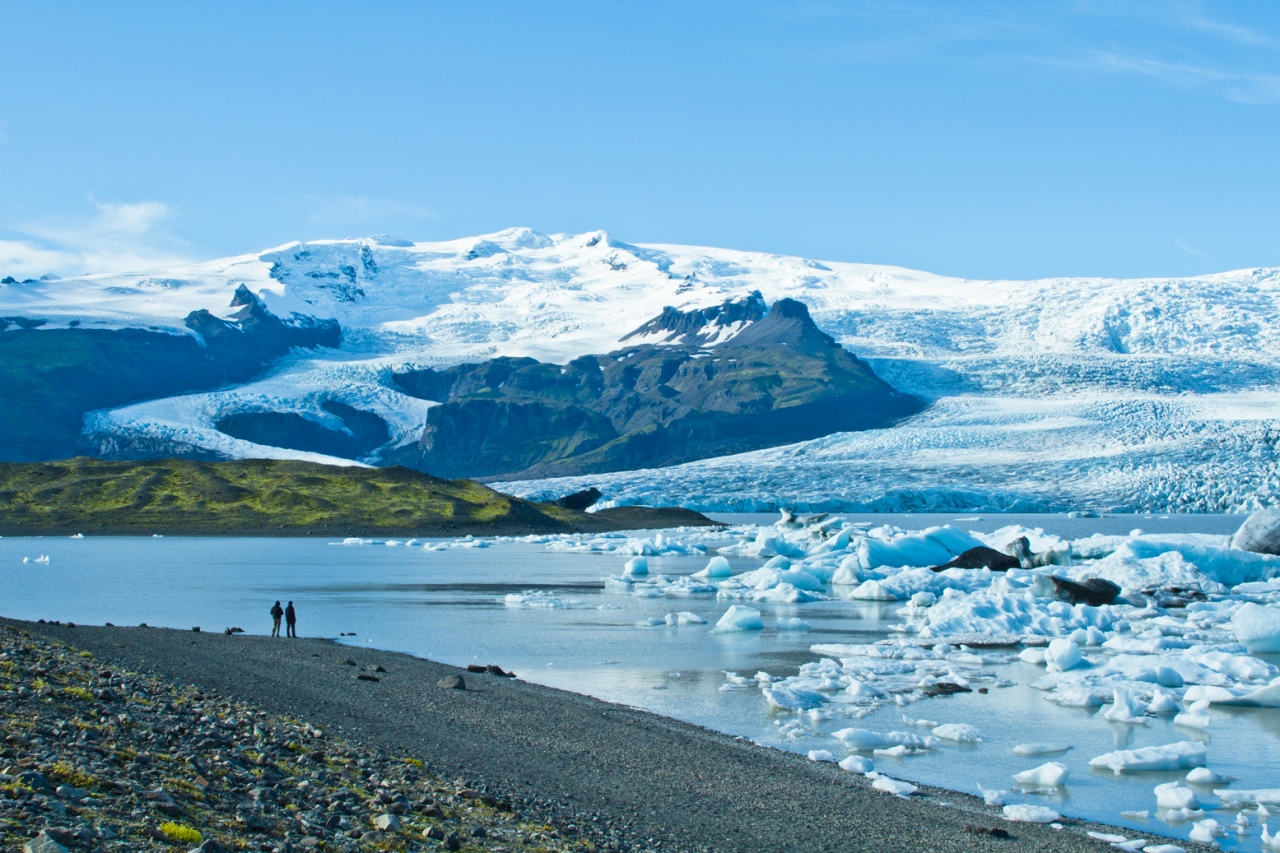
[
  {"x": 1260, "y": 533},
  {"x": 778, "y": 380},
  {"x": 364, "y": 431},
  {"x": 52, "y": 377},
  {"x": 703, "y": 326},
  {"x": 252, "y": 336}
]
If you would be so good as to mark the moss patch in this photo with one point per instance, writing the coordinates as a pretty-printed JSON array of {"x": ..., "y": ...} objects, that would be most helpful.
[{"x": 265, "y": 497}]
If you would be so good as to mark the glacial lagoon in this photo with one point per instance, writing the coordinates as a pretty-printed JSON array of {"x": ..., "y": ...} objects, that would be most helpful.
[{"x": 540, "y": 606}]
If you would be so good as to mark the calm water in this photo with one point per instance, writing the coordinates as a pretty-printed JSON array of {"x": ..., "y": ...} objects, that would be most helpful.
[{"x": 450, "y": 606}]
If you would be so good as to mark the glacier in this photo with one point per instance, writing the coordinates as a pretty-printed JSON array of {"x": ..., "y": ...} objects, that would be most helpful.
[{"x": 1069, "y": 393}]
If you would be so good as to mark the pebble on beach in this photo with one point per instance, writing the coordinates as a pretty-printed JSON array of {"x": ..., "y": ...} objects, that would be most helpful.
[{"x": 95, "y": 759}]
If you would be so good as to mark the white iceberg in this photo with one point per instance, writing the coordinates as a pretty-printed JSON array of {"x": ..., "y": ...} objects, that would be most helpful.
[
  {"x": 1175, "y": 795},
  {"x": 1258, "y": 627},
  {"x": 1049, "y": 775},
  {"x": 1183, "y": 755},
  {"x": 864, "y": 740},
  {"x": 1027, "y": 813},
  {"x": 739, "y": 618},
  {"x": 958, "y": 733}
]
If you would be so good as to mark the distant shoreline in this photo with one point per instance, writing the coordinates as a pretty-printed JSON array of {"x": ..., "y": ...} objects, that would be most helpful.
[
  {"x": 260, "y": 497},
  {"x": 628, "y": 518}
]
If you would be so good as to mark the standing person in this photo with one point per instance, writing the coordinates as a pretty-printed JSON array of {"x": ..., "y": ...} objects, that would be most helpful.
[
  {"x": 276, "y": 613},
  {"x": 291, "y": 620}
]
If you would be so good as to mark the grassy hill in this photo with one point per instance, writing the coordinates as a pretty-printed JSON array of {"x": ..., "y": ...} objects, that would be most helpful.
[{"x": 270, "y": 497}]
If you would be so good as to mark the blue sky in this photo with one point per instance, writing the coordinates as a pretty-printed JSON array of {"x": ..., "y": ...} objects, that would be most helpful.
[{"x": 1019, "y": 139}]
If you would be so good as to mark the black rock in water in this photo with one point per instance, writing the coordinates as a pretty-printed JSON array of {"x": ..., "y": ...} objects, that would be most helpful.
[
  {"x": 1092, "y": 591},
  {"x": 981, "y": 557}
]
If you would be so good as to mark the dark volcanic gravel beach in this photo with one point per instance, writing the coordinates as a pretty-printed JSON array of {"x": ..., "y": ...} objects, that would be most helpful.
[{"x": 604, "y": 776}]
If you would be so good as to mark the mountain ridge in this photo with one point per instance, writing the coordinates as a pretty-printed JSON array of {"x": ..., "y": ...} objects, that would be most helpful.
[
  {"x": 778, "y": 379},
  {"x": 1111, "y": 392}
]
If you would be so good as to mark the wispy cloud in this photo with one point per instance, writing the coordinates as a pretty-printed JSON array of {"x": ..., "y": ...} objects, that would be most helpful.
[
  {"x": 115, "y": 237},
  {"x": 1172, "y": 44},
  {"x": 1195, "y": 253},
  {"x": 1243, "y": 87}
]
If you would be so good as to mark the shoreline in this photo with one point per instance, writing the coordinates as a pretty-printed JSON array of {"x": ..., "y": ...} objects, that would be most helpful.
[
  {"x": 667, "y": 784},
  {"x": 613, "y": 520}
]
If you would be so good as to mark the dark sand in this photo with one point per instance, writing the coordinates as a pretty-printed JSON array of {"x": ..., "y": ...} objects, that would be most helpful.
[{"x": 651, "y": 778}]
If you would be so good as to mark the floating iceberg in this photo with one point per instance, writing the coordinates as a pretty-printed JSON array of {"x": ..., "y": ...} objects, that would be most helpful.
[
  {"x": 739, "y": 618},
  {"x": 1258, "y": 627},
  {"x": 1183, "y": 755},
  {"x": 1048, "y": 775}
]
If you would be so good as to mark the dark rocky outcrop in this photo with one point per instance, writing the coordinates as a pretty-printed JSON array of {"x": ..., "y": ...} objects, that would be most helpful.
[
  {"x": 1093, "y": 591},
  {"x": 53, "y": 377},
  {"x": 364, "y": 431},
  {"x": 253, "y": 336},
  {"x": 779, "y": 380},
  {"x": 579, "y": 500}
]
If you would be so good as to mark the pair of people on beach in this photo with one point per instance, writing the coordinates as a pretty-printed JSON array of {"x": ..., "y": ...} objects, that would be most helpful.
[{"x": 290, "y": 618}]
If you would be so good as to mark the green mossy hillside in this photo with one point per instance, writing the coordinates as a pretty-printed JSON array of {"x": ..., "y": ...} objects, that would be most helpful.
[{"x": 259, "y": 497}]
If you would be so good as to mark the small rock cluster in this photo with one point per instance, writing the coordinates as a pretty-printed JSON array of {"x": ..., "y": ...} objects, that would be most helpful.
[{"x": 100, "y": 760}]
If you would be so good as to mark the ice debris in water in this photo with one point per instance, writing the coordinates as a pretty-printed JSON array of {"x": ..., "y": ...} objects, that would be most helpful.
[
  {"x": 1181, "y": 637},
  {"x": 958, "y": 732},
  {"x": 1205, "y": 776},
  {"x": 820, "y": 755},
  {"x": 857, "y": 764},
  {"x": 1027, "y": 813},
  {"x": 1175, "y": 795},
  {"x": 1196, "y": 716},
  {"x": 1174, "y": 756},
  {"x": 1040, "y": 748},
  {"x": 717, "y": 567},
  {"x": 636, "y": 566},
  {"x": 1261, "y": 797},
  {"x": 864, "y": 740},
  {"x": 1126, "y": 708},
  {"x": 993, "y": 797},
  {"x": 1205, "y": 831},
  {"x": 739, "y": 618},
  {"x": 1258, "y": 627},
  {"x": 1062, "y": 654},
  {"x": 1049, "y": 775},
  {"x": 684, "y": 617},
  {"x": 794, "y": 623}
]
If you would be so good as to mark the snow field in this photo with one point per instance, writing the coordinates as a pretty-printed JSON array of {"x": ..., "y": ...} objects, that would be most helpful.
[{"x": 1056, "y": 394}]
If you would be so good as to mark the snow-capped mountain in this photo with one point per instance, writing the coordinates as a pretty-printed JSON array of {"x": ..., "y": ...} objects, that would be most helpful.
[{"x": 1058, "y": 393}]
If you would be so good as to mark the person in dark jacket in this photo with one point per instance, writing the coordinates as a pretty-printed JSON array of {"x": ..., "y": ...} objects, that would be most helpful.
[
  {"x": 276, "y": 613},
  {"x": 291, "y": 620}
]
